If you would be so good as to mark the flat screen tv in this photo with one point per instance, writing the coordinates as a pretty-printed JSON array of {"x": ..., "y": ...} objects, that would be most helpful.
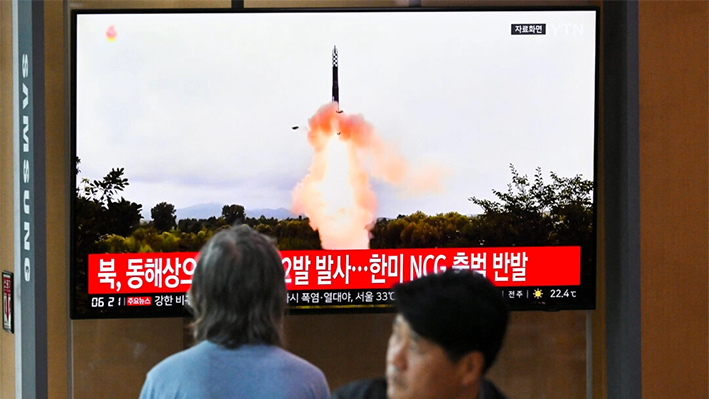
[{"x": 374, "y": 146}]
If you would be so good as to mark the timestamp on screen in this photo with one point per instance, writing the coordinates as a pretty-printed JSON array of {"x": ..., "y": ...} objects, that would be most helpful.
[{"x": 107, "y": 302}]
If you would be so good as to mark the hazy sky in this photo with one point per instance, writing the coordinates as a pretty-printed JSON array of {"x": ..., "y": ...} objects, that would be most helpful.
[{"x": 198, "y": 108}]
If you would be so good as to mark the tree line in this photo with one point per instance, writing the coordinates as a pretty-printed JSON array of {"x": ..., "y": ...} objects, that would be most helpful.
[{"x": 531, "y": 212}]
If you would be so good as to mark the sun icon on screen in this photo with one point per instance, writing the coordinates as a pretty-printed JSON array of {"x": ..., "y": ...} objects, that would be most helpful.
[{"x": 537, "y": 293}]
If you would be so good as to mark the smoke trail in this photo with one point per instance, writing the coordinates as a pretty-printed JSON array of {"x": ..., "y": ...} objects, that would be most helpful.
[{"x": 335, "y": 194}]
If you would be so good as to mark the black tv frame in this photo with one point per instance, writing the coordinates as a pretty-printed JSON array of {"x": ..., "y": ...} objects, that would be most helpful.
[{"x": 588, "y": 273}]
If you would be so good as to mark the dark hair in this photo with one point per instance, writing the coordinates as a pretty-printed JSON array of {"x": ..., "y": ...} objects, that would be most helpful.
[
  {"x": 238, "y": 293},
  {"x": 460, "y": 311}
]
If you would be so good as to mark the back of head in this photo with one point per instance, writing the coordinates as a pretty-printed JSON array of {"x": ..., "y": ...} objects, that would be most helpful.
[
  {"x": 238, "y": 293},
  {"x": 460, "y": 311}
]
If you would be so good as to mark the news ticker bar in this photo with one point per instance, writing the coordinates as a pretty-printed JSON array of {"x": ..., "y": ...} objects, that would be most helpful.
[
  {"x": 328, "y": 300},
  {"x": 152, "y": 273}
]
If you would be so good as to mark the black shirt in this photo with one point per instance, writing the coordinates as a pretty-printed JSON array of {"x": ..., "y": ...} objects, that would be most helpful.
[{"x": 376, "y": 388}]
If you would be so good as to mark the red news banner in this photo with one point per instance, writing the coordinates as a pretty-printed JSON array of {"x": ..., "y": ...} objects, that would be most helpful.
[{"x": 346, "y": 269}]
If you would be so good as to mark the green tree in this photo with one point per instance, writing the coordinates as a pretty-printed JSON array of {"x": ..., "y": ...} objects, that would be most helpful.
[
  {"x": 169, "y": 241},
  {"x": 534, "y": 213},
  {"x": 190, "y": 225},
  {"x": 122, "y": 217},
  {"x": 419, "y": 234},
  {"x": 213, "y": 223},
  {"x": 233, "y": 214},
  {"x": 294, "y": 234},
  {"x": 105, "y": 190},
  {"x": 164, "y": 218},
  {"x": 99, "y": 212},
  {"x": 261, "y": 220},
  {"x": 99, "y": 217}
]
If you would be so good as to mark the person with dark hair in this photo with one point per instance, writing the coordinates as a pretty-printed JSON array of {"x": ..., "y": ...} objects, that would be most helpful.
[
  {"x": 447, "y": 332},
  {"x": 238, "y": 298}
]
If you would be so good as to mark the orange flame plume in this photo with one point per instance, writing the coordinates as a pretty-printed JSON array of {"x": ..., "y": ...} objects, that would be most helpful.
[{"x": 335, "y": 195}]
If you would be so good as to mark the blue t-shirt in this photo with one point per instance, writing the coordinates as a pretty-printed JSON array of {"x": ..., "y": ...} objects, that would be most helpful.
[{"x": 210, "y": 371}]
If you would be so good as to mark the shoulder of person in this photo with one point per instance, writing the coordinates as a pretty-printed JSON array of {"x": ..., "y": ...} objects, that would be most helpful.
[
  {"x": 165, "y": 379},
  {"x": 306, "y": 373},
  {"x": 177, "y": 360},
  {"x": 370, "y": 388},
  {"x": 490, "y": 391},
  {"x": 294, "y": 360}
]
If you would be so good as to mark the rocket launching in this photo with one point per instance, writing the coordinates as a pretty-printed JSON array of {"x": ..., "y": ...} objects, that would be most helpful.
[
  {"x": 336, "y": 195},
  {"x": 335, "y": 85}
]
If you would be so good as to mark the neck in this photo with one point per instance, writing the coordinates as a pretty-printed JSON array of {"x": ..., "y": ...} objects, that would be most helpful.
[{"x": 474, "y": 391}]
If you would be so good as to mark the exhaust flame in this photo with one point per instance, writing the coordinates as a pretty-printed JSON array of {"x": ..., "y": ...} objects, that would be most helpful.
[{"x": 335, "y": 195}]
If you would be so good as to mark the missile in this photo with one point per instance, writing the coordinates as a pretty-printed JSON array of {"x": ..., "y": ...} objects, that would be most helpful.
[{"x": 335, "y": 86}]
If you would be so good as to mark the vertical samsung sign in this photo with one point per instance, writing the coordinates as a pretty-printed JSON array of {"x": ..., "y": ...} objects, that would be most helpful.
[{"x": 30, "y": 220}]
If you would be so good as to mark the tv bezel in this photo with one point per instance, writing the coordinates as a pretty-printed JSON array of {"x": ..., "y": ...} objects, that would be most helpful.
[{"x": 588, "y": 274}]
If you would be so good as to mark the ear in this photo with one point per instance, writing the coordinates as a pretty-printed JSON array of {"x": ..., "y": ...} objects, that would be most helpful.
[{"x": 471, "y": 367}]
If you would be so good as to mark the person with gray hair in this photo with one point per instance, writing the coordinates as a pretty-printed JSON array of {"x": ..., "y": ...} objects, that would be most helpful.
[{"x": 238, "y": 298}]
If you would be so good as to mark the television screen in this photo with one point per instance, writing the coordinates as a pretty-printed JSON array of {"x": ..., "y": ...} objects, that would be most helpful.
[{"x": 374, "y": 146}]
